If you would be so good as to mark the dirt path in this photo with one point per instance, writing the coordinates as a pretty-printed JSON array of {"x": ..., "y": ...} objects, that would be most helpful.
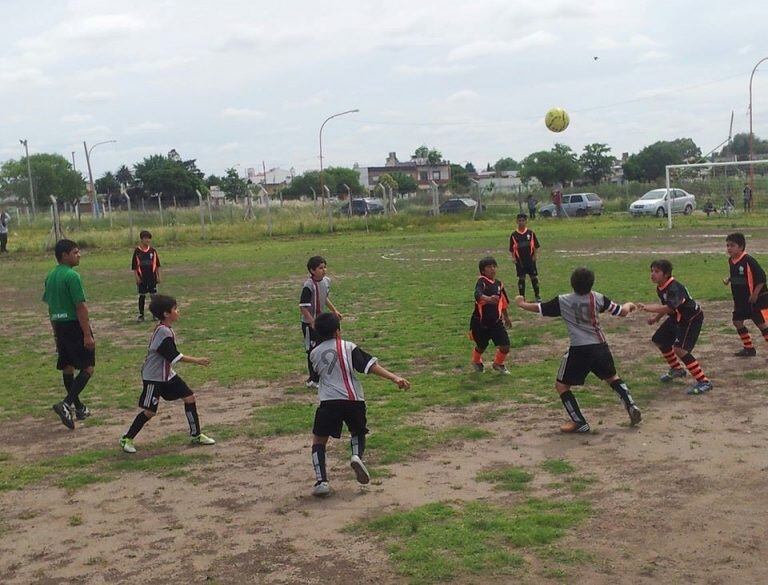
[{"x": 682, "y": 498}]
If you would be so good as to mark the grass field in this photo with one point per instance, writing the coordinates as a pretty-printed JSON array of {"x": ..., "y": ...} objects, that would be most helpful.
[{"x": 405, "y": 290}]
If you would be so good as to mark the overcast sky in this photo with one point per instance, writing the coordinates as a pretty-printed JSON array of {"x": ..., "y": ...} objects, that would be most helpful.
[{"x": 238, "y": 82}]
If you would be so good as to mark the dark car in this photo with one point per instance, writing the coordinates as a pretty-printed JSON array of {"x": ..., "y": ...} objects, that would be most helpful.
[
  {"x": 365, "y": 206},
  {"x": 459, "y": 204}
]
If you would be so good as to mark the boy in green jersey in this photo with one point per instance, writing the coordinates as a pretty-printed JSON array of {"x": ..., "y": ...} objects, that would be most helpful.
[{"x": 75, "y": 345}]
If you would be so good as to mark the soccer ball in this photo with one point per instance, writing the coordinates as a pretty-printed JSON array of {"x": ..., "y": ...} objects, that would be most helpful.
[{"x": 557, "y": 119}]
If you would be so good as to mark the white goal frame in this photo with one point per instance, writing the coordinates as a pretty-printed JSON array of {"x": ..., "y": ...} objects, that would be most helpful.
[{"x": 744, "y": 163}]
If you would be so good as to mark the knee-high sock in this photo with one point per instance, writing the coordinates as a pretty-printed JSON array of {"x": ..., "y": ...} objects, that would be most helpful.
[
  {"x": 572, "y": 407},
  {"x": 477, "y": 356},
  {"x": 623, "y": 391},
  {"x": 190, "y": 410},
  {"x": 357, "y": 442},
  {"x": 746, "y": 338},
  {"x": 77, "y": 387},
  {"x": 500, "y": 356},
  {"x": 535, "y": 285},
  {"x": 521, "y": 286},
  {"x": 138, "y": 424},
  {"x": 68, "y": 379},
  {"x": 669, "y": 355},
  {"x": 694, "y": 368},
  {"x": 142, "y": 301},
  {"x": 318, "y": 462}
]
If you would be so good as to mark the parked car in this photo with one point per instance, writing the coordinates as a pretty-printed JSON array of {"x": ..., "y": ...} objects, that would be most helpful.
[
  {"x": 655, "y": 203},
  {"x": 575, "y": 205},
  {"x": 363, "y": 206},
  {"x": 459, "y": 204}
]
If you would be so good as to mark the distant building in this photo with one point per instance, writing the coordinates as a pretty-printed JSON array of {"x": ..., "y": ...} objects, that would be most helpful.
[
  {"x": 504, "y": 181},
  {"x": 273, "y": 180},
  {"x": 420, "y": 169}
]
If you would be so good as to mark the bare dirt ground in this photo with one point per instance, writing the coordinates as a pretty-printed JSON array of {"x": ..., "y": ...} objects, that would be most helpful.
[{"x": 679, "y": 499}]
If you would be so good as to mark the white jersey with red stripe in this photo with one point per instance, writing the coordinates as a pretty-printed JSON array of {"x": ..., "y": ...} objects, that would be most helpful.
[
  {"x": 162, "y": 354},
  {"x": 314, "y": 295},
  {"x": 580, "y": 313},
  {"x": 336, "y": 362}
]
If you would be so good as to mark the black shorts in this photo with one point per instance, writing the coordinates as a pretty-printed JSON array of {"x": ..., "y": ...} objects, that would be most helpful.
[
  {"x": 683, "y": 334},
  {"x": 147, "y": 287},
  {"x": 69, "y": 346},
  {"x": 173, "y": 389},
  {"x": 524, "y": 268},
  {"x": 580, "y": 360},
  {"x": 309, "y": 335},
  {"x": 750, "y": 312},
  {"x": 330, "y": 415},
  {"x": 482, "y": 335}
]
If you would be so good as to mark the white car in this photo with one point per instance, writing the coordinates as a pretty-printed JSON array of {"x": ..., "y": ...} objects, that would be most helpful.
[{"x": 655, "y": 203}]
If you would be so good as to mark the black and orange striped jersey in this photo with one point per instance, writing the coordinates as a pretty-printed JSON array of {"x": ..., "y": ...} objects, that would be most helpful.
[
  {"x": 145, "y": 263},
  {"x": 676, "y": 296},
  {"x": 489, "y": 314},
  {"x": 523, "y": 245},
  {"x": 746, "y": 275}
]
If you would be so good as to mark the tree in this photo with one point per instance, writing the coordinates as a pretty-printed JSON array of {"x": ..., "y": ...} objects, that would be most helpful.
[
  {"x": 459, "y": 179},
  {"x": 432, "y": 155},
  {"x": 52, "y": 175},
  {"x": 233, "y": 185},
  {"x": 333, "y": 177},
  {"x": 107, "y": 184},
  {"x": 405, "y": 183},
  {"x": 649, "y": 164},
  {"x": 124, "y": 176},
  {"x": 173, "y": 178},
  {"x": 739, "y": 146},
  {"x": 387, "y": 180},
  {"x": 505, "y": 164},
  {"x": 212, "y": 180},
  {"x": 470, "y": 168},
  {"x": 596, "y": 162},
  {"x": 550, "y": 167}
]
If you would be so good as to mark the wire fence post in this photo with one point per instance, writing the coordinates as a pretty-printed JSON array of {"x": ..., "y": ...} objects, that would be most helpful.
[
  {"x": 124, "y": 191},
  {"x": 202, "y": 214},
  {"x": 327, "y": 193}
]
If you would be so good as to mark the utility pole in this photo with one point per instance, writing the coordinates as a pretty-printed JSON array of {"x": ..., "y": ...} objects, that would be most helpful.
[{"x": 29, "y": 174}]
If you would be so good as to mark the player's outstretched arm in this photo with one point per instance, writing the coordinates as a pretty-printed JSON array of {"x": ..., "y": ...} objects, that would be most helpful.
[
  {"x": 526, "y": 306},
  {"x": 382, "y": 372},
  {"x": 200, "y": 361},
  {"x": 627, "y": 308}
]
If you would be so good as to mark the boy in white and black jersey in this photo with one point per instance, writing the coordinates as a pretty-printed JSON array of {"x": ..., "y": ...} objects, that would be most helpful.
[
  {"x": 588, "y": 351},
  {"x": 341, "y": 397},
  {"x": 159, "y": 379},
  {"x": 314, "y": 299}
]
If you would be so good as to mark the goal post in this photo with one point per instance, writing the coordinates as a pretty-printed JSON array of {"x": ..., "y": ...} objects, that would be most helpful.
[{"x": 746, "y": 163}]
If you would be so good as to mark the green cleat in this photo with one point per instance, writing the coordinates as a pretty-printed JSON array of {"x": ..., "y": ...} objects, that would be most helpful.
[
  {"x": 127, "y": 445},
  {"x": 202, "y": 439}
]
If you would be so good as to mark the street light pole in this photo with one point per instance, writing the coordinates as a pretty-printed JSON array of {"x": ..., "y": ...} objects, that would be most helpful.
[
  {"x": 29, "y": 174},
  {"x": 751, "y": 169},
  {"x": 322, "y": 182},
  {"x": 94, "y": 201}
]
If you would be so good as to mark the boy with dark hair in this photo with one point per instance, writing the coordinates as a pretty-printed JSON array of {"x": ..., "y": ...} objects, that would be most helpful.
[
  {"x": 341, "y": 397},
  {"x": 523, "y": 244},
  {"x": 750, "y": 297},
  {"x": 71, "y": 326},
  {"x": 146, "y": 267},
  {"x": 677, "y": 336},
  {"x": 490, "y": 319},
  {"x": 314, "y": 298},
  {"x": 588, "y": 351},
  {"x": 159, "y": 379}
]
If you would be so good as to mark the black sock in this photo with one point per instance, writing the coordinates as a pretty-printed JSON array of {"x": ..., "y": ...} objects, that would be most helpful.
[
  {"x": 535, "y": 285},
  {"x": 77, "y": 387},
  {"x": 190, "y": 409},
  {"x": 623, "y": 391},
  {"x": 521, "y": 286},
  {"x": 357, "y": 442},
  {"x": 572, "y": 407},
  {"x": 318, "y": 462},
  {"x": 142, "y": 300},
  {"x": 138, "y": 424},
  {"x": 68, "y": 379}
]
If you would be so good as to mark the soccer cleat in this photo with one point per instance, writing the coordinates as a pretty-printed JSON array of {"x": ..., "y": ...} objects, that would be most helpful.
[
  {"x": 746, "y": 352},
  {"x": 501, "y": 369},
  {"x": 82, "y": 413},
  {"x": 321, "y": 489},
  {"x": 672, "y": 374},
  {"x": 311, "y": 384},
  {"x": 700, "y": 388},
  {"x": 479, "y": 367},
  {"x": 140, "y": 319},
  {"x": 202, "y": 439},
  {"x": 634, "y": 415},
  {"x": 360, "y": 471},
  {"x": 65, "y": 414},
  {"x": 574, "y": 427},
  {"x": 127, "y": 445}
]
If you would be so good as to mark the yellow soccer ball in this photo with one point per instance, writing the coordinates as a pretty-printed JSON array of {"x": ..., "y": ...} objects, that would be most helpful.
[{"x": 557, "y": 119}]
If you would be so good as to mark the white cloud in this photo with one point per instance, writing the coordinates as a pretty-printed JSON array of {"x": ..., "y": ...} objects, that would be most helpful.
[
  {"x": 745, "y": 50},
  {"x": 98, "y": 131},
  {"x": 228, "y": 147},
  {"x": 242, "y": 113},
  {"x": 431, "y": 70},
  {"x": 76, "y": 118},
  {"x": 94, "y": 97},
  {"x": 462, "y": 96},
  {"x": 485, "y": 48},
  {"x": 22, "y": 75},
  {"x": 652, "y": 56},
  {"x": 145, "y": 127}
]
